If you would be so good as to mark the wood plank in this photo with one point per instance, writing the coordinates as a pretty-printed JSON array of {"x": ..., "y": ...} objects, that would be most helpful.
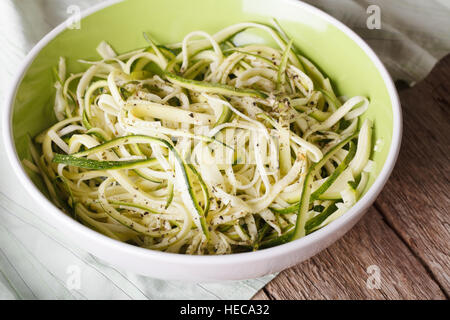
[
  {"x": 415, "y": 201},
  {"x": 261, "y": 295},
  {"x": 340, "y": 272}
]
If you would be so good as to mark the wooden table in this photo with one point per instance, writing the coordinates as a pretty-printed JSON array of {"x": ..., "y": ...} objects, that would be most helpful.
[{"x": 406, "y": 233}]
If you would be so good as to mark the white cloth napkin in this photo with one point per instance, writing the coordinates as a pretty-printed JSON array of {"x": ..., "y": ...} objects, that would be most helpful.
[{"x": 36, "y": 262}]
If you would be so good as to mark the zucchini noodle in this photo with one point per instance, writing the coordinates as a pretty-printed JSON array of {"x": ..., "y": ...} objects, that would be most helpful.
[{"x": 203, "y": 147}]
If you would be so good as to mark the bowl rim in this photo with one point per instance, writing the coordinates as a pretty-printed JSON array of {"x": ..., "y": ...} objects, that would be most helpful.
[{"x": 317, "y": 237}]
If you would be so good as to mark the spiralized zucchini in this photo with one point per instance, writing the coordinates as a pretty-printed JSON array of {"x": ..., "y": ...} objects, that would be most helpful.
[{"x": 203, "y": 147}]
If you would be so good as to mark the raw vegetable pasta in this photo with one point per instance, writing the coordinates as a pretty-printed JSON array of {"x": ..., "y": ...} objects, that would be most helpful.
[{"x": 203, "y": 146}]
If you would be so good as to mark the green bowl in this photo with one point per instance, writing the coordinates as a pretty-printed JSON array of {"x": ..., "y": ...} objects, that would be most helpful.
[{"x": 340, "y": 54}]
